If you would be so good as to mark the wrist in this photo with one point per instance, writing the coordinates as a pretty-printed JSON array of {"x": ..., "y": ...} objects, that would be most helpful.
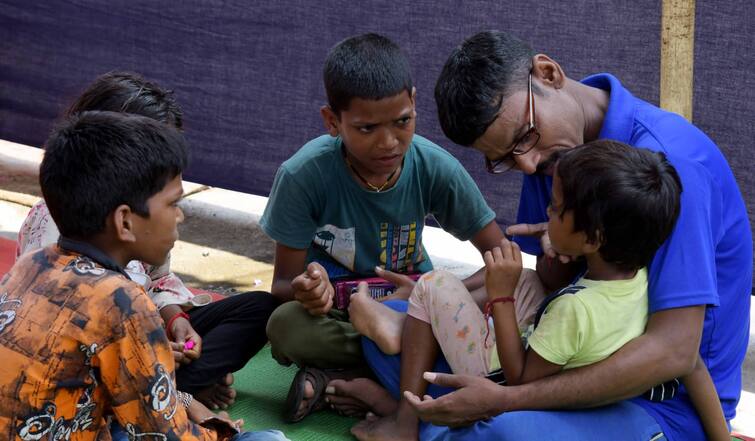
[
  {"x": 172, "y": 321},
  {"x": 499, "y": 300},
  {"x": 503, "y": 400}
]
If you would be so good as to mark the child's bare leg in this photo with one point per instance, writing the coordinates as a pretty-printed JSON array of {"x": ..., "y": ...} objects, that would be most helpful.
[
  {"x": 376, "y": 321},
  {"x": 441, "y": 310},
  {"x": 418, "y": 353}
]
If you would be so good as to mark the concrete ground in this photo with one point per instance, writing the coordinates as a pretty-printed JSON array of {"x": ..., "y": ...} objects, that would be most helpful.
[{"x": 222, "y": 247}]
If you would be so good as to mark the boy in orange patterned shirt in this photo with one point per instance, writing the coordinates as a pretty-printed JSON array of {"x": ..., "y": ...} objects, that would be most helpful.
[{"x": 79, "y": 340}]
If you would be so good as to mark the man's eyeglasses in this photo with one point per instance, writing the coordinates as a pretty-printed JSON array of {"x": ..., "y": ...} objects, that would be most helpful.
[{"x": 523, "y": 145}]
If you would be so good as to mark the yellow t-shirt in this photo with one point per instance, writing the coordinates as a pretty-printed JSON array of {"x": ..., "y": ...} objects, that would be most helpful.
[{"x": 587, "y": 326}]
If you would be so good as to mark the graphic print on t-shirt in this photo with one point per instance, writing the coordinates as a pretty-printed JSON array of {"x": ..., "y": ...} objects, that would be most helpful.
[
  {"x": 398, "y": 244},
  {"x": 339, "y": 243}
]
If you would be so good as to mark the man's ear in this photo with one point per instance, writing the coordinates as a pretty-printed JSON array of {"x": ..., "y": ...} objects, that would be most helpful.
[
  {"x": 330, "y": 119},
  {"x": 547, "y": 71},
  {"x": 123, "y": 223}
]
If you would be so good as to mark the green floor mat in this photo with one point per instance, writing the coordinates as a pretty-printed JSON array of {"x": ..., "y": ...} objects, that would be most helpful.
[{"x": 262, "y": 387}]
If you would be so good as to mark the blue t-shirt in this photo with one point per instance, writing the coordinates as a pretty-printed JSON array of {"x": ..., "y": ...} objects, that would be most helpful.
[
  {"x": 707, "y": 260},
  {"x": 316, "y": 205}
]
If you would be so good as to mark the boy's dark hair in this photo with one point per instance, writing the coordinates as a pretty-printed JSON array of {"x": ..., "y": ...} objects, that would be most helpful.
[
  {"x": 129, "y": 92},
  {"x": 625, "y": 198},
  {"x": 477, "y": 77},
  {"x": 367, "y": 66},
  {"x": 96, "y": 161}
]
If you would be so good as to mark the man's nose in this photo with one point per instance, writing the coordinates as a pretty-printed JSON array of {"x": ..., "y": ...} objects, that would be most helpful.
[{"x": 527, "y": 162}]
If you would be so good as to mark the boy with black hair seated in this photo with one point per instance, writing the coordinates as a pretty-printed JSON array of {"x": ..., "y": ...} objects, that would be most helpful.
[
  {"x": 353, "y": 203},
  {"x": 79, "y": 340},
  {"x": 613, "y": 205},
  {"x": 224, "y": 334}
]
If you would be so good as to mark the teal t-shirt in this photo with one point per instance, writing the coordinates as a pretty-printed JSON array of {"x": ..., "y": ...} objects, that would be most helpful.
[{"x": 316, "y": 205}]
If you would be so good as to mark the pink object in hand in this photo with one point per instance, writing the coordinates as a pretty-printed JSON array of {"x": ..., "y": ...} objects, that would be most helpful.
[{"x": 189, "y": 345}]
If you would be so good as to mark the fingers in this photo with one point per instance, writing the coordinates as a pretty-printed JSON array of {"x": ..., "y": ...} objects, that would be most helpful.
[
  {"x": 395, "y": 278},
  {"x": 414, "y": 400},
  {"x": 527, "y": 229},
  {"x": 178, "y": 356},
  {"x": 516, "y": 252},
  {"x": 363, "y": 288},
  {"x": 305, "y": 282},
  {"x": 316, "y": 271},
  {"x": 448, "y": 380},
  {"x": 487, "y": 257},
  {"x": 498, "y": 253},
  {"x": 510, "y": 251},
  {"x": 321, "y": 305},
  {"x": 313, "y": 290}
]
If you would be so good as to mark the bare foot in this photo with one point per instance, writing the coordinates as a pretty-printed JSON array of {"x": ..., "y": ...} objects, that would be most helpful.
[
  {"x": 385, "y": 428},
  {"x": 376, "y": 321},
  {"x": 218, "y": 396},
  {"x": 359, "y": 396}
]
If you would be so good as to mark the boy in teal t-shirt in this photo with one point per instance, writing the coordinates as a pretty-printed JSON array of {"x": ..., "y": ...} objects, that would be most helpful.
[{"x": 353, "y": 203}]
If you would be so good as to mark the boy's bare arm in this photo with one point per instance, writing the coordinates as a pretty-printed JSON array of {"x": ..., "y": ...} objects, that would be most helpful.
[
  {"x": 702, "y": 393},
  {"x": 486, "y": 239},
  {"x": 289, "y": 263},
  {"x": 309, "y": 285}
]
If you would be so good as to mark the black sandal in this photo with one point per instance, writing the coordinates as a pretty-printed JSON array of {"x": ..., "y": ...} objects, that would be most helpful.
[{"x": 319, "y": 380}]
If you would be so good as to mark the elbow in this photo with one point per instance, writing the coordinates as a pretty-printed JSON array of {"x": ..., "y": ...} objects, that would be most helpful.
[
  {"x": 686, "y": 363},
  {"x": 681, "y": 359}
]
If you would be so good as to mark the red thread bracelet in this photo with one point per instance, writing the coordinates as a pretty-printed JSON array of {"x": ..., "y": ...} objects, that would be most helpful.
[
  {"x": 489, "y": 310},
  {"x": 173, "y": 319}
]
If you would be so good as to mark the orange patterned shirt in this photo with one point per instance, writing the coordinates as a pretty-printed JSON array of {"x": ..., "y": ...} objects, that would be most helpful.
[{"x": 79, "y": 342}]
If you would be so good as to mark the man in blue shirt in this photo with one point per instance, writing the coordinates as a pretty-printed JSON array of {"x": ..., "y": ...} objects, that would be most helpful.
[{"x": 519, "y": 109}]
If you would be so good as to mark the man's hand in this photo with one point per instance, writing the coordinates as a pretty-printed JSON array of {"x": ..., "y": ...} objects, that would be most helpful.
[
  {"x": 503, "y": 266},
  {"x": 313, "y": 290},
  {"x": 475, "y": 399},
  {"x": 183, "y": 333},
  {"x": 404, "y": 284},
  {"x": 540, "y": 231}
]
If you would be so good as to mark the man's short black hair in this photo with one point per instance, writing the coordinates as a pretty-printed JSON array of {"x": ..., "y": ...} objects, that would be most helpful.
[
  {"x": 129, "y": 92},
  {"x": 367, "y": 66},
  {"x": 477, "y": 77},
  {"x": 625, "y": 198},
  {"x": 96, "y": 161}
]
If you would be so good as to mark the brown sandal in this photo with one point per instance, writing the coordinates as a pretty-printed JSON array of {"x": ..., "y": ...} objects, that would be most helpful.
[{"x": 319, "y": 380}]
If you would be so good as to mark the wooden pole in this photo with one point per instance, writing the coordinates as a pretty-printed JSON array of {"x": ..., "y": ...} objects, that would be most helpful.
[{"x": 677, "y": 56}]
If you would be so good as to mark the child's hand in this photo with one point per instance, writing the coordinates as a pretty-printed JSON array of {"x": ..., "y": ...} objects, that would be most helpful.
[
  {"x": 184, "y": 334},
  {"x": 313, "y": 290},
  {"x": 503, "y": 265},
  {"x": 404, "y": 284},
  {"x": 541, "y": 232}
]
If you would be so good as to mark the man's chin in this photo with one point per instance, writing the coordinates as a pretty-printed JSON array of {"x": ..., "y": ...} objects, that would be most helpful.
[{"x": 548, "y": 167}]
